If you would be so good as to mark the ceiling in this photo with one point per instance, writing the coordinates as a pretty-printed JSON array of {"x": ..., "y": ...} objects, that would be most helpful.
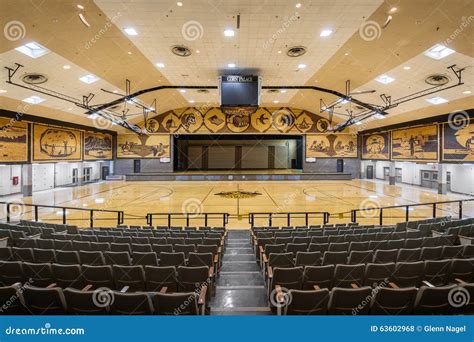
[{"x": 267, "y": 29}]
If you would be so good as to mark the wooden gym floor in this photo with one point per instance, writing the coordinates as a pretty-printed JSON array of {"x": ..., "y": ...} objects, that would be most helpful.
[{"x": 139, "y": 198}]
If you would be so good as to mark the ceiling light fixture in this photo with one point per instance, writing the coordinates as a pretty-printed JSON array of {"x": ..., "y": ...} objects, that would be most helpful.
[
  {"x": 229, "y": 33},
  {"x": 393, "y": 10},
  {"x": 438, "y": 51},
  {"x": 325, "y": 33},
  {"x": 384, "y": 79},
  {"x": 407, "y": 67},
  {"x": 66, "y": 67},
  {"x": 130, "y": 31},
  {"x": 2, "y": 91},
  {"x": 182, "y": 90},
  {"x": 276, "y": 101},
  {"x": 301, "y": 66},
  {"x": 179, "y": 3},
  {"x": 436, "y": 100},
  {"x": 191, "y": 101},
  {"x": 89, "y": 79},
  {"x": 466, "y": 92},
  {"x": 33, "y": 50},
  {"x": 34, "y": 99},
  {"x": 80, "y": 7},
  {"x": 231, "y": 65},
  {"x": 298, "y": 5},
  {"x": 160, "y": 65},
  {"x": 283, "y": 91}
]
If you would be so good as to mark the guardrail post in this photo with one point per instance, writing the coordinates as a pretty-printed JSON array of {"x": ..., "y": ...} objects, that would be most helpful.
[
  {"x": 91, "y": 219},
  {"x": 251, "y": 220},
  {"x": 434, "y": 210},
  {"x": 187, "y": 219},
  {"x": 354, "y": 216},
  {"x": 36, "y": 213},
  {"x": 64, "y": 215},
  {"x": 8, "y": 212},
  {"x": 169, "y": 220},
  {"x": 460, "y": 210},
  {"x": 306, "y": 219},
  {"x": 205, "y": 219},
  {"x": 326, "y": 217},
  {"x": 381, "y": 217},
  {"x": 288, "y": 219},
  {"x": 270, "y": 220},
  {"x": 407, "y": 211}
]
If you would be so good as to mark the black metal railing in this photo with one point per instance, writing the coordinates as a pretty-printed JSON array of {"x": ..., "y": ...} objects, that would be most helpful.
[
  {"x": 64, "y": 212},
  {"x": 307, "y": 216},
  {"x": 203, "y": 217},
  {"x": 433, "y": 205}
]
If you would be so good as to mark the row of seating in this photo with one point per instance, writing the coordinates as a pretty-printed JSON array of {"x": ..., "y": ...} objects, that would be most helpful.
[
  {"x": 196, "y": 240},
  {"x": 290, "y": 259},
  {"x": 381, "y": 301},
  {"x": 118, "y": 277},
  {"x": 56, "y": 301},
  {"x": 403, "y": 274}
]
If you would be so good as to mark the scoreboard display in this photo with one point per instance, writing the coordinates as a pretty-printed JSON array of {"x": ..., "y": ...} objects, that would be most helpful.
[{"x": 238, "y": 90}]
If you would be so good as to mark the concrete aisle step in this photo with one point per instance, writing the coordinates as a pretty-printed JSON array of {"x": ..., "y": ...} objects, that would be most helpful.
[{"x": 240, "y": 287}]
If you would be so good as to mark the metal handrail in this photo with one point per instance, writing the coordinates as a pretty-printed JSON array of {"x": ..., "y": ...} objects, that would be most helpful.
[
  {"x": 188, "y": 217},
  {"x": 288, "y": 216},
  {"x": 36, "y": 207},
  {"x": 407, "y": 209}
]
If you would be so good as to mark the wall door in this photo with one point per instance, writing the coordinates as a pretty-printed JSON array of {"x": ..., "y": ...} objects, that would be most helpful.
[
  {"x": 369, "y": 174},
  {"x": 398, "y": 175},
  {"x": 87, "y": 172},
  {"x": 429, "y": 179},
  {"x": 340, "y": 165},
  {"x": 448, "y": 181},
  {"x": 386, "y": 173},
  {"x": 105, "y": 172},
  {"x": 136, "y": 166},
  {"x": 75, "y": 175}
]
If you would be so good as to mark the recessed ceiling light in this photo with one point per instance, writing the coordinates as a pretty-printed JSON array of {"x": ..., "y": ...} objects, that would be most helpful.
[
  {"x": 33, "y": 99},
  {"x": 466, "y": 92},
  {"x": 301, "y": 66},
  {"x": 2, "y": 91},
  {"x": 115, "y": 91},
  {"x": 379, "y": 116},
  {"x": 99, "y": 200},
  {"x": 384, "y": 79},
  {"x": 80, "y": 7},
  {"x": 358, "y": 123},
  {"x": 33, "y": 50},
  {"x": 298, "y": 5},
  {"x": 283, "y": 91},
  {"x": 436, "y": 100},
  {"x": 129, "y": 52},
  {"x": 66, "y": 67},
  {"x": 279, "y": 51},
  {"x": 229, "y": 33},
  {"x": 438, "y": 51},
  {"x": 89, "y": 78},
  {"x": 325, "y": 33},
  {"x": 191, "y": 101},
  {"x": 231, "y": 65},
  {"x": 182, "y": 90},
  {"x": 179, "y": 3},
  {"x": 160, "y": 65},
  {"x": 276, "y": 101},
  {"x": 197, "y": 51},
  {"x": 407, "y": 67},
  {"x": 130, "y": 31},
  {"x": 393, "y": 10},
  {"x": 346, "y": 54}
]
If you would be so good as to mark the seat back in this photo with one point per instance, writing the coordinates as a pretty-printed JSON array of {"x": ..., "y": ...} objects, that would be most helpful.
[
  {"x": 433, "y": 300},
  {"x": 172, "y": 259},
  {"x": 308, "y": 259},
  {"x": 158, "y": 277},
  {"x": 45, "y": 301},
  {"x": 348, "y": 301},
  {"x": 321, "y": 276},
  {"x": 85, "y": 302},
  {"x": 131, "y": 276},
  {"x": 308, "y": 302},
  {"x": 388, "y": 301},
  {"x": 176, "y": 303},
  {"x": 131, "y": 304},
  {"x": 347, "y": 275},
  {"x": 68, "y": 276}
]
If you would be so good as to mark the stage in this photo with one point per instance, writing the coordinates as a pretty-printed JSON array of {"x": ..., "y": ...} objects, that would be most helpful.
[{"x": 237, "y": 175}]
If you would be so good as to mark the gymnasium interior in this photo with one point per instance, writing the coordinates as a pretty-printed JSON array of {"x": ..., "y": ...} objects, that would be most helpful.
[{"x": 237, "y": 158}]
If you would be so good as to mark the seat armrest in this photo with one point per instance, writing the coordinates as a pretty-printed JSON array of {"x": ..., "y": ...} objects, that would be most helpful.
[
  {"x": 125, "y": 289},
  {"x": 280, "y": 297},
  {"x": 270, "y": 272},
  {"x": 427, "y": 283},
  {"x": 202, "y": 295},
  {"x": 211, "y": 272},
  {"x": 163, "y": 289},
  {"x": 393, "y": 285},
  {"x": 459, "y": 281},
  {"x": 264, "y": 258},
  {"x": 316, "y": 287},
  {"x": 50, "y": 286},
  {"x": 216, "y": 258},
  {"x": 354, "y": 286},
  {"x": 87, "y": 287}
]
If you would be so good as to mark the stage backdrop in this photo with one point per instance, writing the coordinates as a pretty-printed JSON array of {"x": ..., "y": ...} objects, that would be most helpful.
[
  {"x": 97, "y": 146},
  {"x": 51, "y": 143},
  {"x": 211, "y": 120},
  {"x": 144, "y": 146},
  {"x": 13, "y": 141},
  {"x": 331, "y": 146},
  {"x": 376, "y": 146},
  {"x": 416, "y": 143},
  {"x": 458, "y": 142}
]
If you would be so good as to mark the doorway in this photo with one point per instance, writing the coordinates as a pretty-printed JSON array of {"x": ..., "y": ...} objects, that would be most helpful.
[
  {"x": 429, "y": 179},
  {"x": 369, "y": 174},
  {"x": 75, "y": 176}
]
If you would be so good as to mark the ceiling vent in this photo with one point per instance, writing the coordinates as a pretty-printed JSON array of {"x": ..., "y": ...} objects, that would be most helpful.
[
  {"x": 296, "y": 51},
  {"x": 34, "y": 78},
  {"x": 437, "y": 79},
  {"x": 181, "y": 50}
]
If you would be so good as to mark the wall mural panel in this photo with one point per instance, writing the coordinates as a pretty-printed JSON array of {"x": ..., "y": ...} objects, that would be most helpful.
[
  {"x": 144, "y": 146},
  {"x": 52, "y": 143},
  {"x": 13, "y": 141},
  {"x": 417, "y": 143},
  {"x": 331, "y": 146},
  {"x": 210, "y": 120},
  {"x": 458, "y": 142},
  {"x": 97, "y": 146},
  {"x": 376, "y": 146}
]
